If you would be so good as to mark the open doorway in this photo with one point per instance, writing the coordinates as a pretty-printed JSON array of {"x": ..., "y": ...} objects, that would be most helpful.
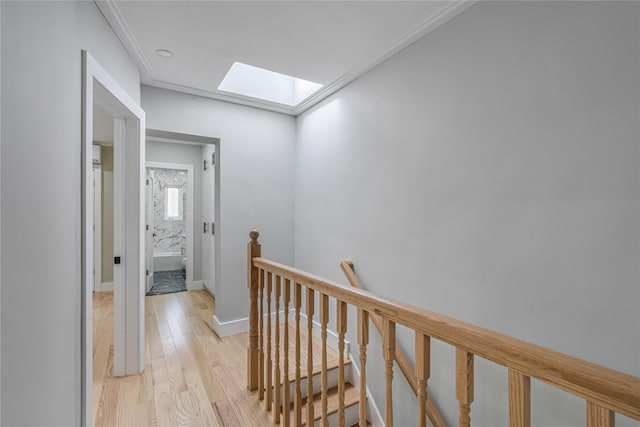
[
  {"x": 100, "y": 90},
  {"x": 169, "y": 225},
  {"x": 103, "y": 200},
  {"x": 168, "y": 154}
]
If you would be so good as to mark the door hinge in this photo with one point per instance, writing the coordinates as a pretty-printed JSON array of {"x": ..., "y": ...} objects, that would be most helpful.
[
  {"x": 147, "y": 272},
  {"x": 204, "y": 227},
  {"x": 213, "y": 228},
  {"x": 213, "y": 159},
  {"x": 147, "y": 227},
  {"x": 116, "y": 260},
  {"x": 147, "y": 181},
  {"x": 205, "y": 165}
]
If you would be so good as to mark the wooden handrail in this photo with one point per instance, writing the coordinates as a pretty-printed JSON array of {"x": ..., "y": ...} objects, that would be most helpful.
[
  {"x": 601, "y": 386},
  {"x": 402, "y": 361}
]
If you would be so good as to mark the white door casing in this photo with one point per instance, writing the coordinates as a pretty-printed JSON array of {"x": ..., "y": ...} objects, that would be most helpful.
[
  {"x": 149, "y": 231},
  {"x": 208, "y": 217},
  {"x": 100, "y": 88}
]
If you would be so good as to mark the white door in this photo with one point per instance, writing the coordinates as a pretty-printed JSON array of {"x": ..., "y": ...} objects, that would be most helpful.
[
  {"x": 149, "y": 227},
  {"x": 208, "y": 217}
]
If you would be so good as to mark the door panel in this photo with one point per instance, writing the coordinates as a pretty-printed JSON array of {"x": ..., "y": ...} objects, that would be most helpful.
[
  {"x": 207, "y": 219},
  {"x": 149, "y": 215}
]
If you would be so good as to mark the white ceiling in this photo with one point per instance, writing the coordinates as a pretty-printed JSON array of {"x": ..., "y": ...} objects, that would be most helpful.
[{"x": 328, "y": 42}]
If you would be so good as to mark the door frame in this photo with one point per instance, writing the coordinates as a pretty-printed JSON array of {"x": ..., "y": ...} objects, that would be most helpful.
[
  {"x": 189, "y": 253},
  {"x": 129, "y": 143},
  {"x": 148, "y": 231},
  {"x": 97, "y": 227}
]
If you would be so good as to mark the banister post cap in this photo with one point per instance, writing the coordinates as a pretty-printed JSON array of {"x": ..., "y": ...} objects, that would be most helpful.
[{"x": 253, "y": 235}]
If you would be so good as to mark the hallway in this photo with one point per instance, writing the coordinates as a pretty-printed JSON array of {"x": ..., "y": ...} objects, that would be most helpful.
[{"x": 191, "y": 376}]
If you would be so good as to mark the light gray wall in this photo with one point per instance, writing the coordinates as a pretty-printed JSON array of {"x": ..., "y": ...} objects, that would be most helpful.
[
  {"x": 255, "y": 164},
  {"x": 41, "y": 277},
  {"x": 106, "y": 207},
  {"x": 192, "y": 155},
  {"x": 489, "y": 172}
]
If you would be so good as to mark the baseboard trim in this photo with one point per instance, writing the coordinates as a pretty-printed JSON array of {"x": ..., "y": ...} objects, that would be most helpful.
[
  {"x": 195, "y": 285},
  {"x": 332, "y": 337},
  {"x": 373, "y": 413},
  {"x": 240, "y": 326},
  {"x": 209, "y": 291},
  {"x": 105, "y": 287},
  {"x": 233, "y": 327}
]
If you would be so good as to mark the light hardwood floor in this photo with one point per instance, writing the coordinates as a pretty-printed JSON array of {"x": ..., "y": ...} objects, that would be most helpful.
[{"x": 191, "y": 377}]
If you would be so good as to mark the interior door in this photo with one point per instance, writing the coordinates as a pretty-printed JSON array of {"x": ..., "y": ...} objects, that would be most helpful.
[
  {"x": 149, "y": 233},
  {"x": 208, "y": 220}
]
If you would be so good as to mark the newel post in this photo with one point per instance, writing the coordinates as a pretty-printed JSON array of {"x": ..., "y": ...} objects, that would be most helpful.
[{"x": 253, "y": 250}]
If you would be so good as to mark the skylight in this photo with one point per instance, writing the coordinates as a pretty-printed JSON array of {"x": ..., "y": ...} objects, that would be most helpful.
[{"x": 247, "y": 80}]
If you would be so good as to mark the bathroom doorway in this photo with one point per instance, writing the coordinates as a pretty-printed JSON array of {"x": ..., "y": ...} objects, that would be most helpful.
[
  {"x": 169, "y": 227},
  {"x": 200, "y": 155}
]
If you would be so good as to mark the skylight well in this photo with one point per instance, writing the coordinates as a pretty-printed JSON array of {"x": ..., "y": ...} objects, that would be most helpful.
[{"x": 247, "y": 80}]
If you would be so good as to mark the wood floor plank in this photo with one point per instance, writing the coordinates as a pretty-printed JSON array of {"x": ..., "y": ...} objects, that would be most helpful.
[
  {"x": 187, "y": 409},
  {"x": 174, "y": 368},
  {"x": 164, "y": 404},
  {"x": 224, "y": 409},
  {"x": 191, "y": 376},
  {"x": 159, "y": 371}
]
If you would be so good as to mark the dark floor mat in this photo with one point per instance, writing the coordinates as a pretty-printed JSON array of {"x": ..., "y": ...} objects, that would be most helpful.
[{"x": 168, "y": 282}]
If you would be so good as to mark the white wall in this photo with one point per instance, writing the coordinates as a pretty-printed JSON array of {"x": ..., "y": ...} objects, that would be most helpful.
[
  {"x": 489, "y": 172},
  {"x": 185, "y": 154},
  {"x": 41, "y": 277},
  {"x": 106, "y": 205},
  {"x": 255, "y": 163}
]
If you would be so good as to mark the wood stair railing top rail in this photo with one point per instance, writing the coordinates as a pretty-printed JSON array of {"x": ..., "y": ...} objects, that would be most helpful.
[{"x": 608, "y": 388}]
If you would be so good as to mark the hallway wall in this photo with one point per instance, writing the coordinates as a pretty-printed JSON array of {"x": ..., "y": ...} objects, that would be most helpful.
[
  {"x": 255, "y": 162},
  {"x": 489, "y": 172},
  {"x": 107, "y": 214},
  {"x": 41, "y": 212}
]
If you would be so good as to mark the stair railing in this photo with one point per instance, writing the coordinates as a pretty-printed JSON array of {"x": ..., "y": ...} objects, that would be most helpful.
[
  {"x": 401, "y": 359},
  {"x": 605, "y": 391}
]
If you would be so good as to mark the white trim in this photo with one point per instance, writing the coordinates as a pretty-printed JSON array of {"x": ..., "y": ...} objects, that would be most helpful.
[
  {"x": 119, "y": 279},
  {"x": 105, "y": 287},
  {"x": 196, "y": 285},
  {"x": 113, "y": 15},
  {"x": 209, "y": 291},
  {"x": 119, "y": 104},
  {"x": 233, "y": 327},
  {"x": 240, "y": 326},
  {"x": 332, "y": 337},
  {"x": 180, "y": 138},
  {"x": 190, "y": 250},
  {"x": 219, "y": 96},
  {"x": 373, "y": 413},
  {"x": 444, "y": 14}
]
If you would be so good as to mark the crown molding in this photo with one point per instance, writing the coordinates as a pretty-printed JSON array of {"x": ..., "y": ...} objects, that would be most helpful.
[
  {"x": 221, "y": 96},
  {"x": 113, "y": 15},
  {"x": 444, "y": 14},
  {"x": 118, "y": 24}
]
